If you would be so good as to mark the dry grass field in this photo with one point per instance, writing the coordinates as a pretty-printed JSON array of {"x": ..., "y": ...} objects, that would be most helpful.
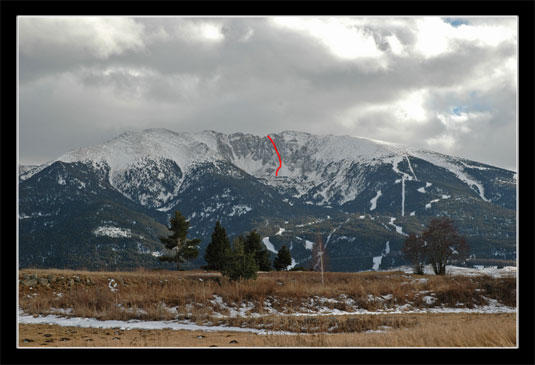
[
  {"x": 292, "y": 302},
  {"x": 428, "y": 330}
]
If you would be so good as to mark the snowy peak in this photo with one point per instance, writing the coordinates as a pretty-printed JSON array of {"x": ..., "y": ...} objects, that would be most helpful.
[
  {"x": 156, "y": 144},
  {"x": 324, "y": 169}
]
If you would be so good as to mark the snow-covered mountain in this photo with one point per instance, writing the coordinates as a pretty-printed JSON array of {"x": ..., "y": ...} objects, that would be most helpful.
[
  {"x": 211, "y": 175},
  {"x": 328, "y": 169}
]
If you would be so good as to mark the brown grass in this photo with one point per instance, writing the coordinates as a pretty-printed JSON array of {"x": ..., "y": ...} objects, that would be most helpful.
[
  {"x": 142, "y": 294},
  {"x": 315, "y": 324},
  {"x": 428, "y": 330},
  {"x": 191, "y": 292}
]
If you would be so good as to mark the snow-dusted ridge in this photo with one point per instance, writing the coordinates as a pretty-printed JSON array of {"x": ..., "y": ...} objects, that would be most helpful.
[{"x": 309, "y": 162}]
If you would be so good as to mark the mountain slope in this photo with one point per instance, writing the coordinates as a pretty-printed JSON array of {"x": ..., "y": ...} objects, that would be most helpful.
[{"x": 211, "y": 176}]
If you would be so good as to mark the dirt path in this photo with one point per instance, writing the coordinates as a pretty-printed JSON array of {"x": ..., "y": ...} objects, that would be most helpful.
[{"x": 41, "y": 335}]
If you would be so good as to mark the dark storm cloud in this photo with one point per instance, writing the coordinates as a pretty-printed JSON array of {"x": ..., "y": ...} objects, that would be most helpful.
[{"x": 85, "y": 81}]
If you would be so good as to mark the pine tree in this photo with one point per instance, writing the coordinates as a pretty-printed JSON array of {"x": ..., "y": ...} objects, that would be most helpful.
[
  {"x": 253, "y": 244},
  {"x": 181, "y": 249},
  {"x": 283, "y": 259},
  {"x": 241, "y": 265},
  {"x": 218, "y": 250}
]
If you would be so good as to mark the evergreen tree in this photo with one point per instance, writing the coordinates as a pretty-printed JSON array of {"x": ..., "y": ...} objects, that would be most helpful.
[
  {"x": 241, "y": 265},
  {"x": 218, "y": 250},
  {"x": 181, "y": 249},
  {"x": 253, "y": 244},
  {"x": 283, "y": 259}
]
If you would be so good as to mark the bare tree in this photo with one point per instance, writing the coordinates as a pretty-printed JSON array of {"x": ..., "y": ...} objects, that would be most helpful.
[
  {"x": 415, "y": 251},
  {"x": 443, "y": 244}
]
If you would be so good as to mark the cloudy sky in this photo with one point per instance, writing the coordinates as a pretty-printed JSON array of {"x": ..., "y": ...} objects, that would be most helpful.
[{"x": 444, "y": 84}]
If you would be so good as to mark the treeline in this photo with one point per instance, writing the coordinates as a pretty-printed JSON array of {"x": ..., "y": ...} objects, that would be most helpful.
[
  {"x": 241, "y": 260},
  {"x": 438, "y": 245}
]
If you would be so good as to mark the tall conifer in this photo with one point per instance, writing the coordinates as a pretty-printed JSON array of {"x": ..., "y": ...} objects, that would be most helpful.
[
  {"x": 218, "y": 250},
  {"x": 241, "y": 265},
  {"x": 180, "y": 248},
  {"x": 253, "y": 244},
  {"x": 283, "y": 259}
]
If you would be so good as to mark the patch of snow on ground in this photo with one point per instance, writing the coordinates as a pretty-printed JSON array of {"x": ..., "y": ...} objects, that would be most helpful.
[
  {"x": 135, "y": 324},
  {"x": 454, "y": 166},
  {"x": 292, "y": 265},
  {"x": 112, "y": 285},
  {"x": 309, "y": 245},
  {"x": 310, "y": 223},
  {"x": 507, "y": 271},
  {"x": 373, "y": 201},
  {"x": 428, "y": 205},
  {"x": 280, "y": 232},
  {"x": 315, "y": 307},
  {"x": 410, "y": 167},
  {"x": 376, "y": 262},
  {"x": 269, "y": 245},
  {"x": 403, "y": 195},
  {"x": 420, "y": 281},
  {"x": 240, "y": 210},
  {"x": 382, "y": 329},
  {"x": 61, "y": 310},
  {"x": 378, "y": 259},
  {"x": 399, "y": 229},
  {"x": 110, "y": 231}
]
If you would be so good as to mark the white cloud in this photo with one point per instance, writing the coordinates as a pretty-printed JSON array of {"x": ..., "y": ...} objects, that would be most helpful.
[
  {"x": 461, "y": 122},
  {"x": 457, "y": 127},
  {"x": 341, "y": 36},
  {"x": 411, "y": 108},
  {"x": 416, "y": 81},
  {"x": 395, "y": 45},
  {"x": 436, "y": 36},
  {"x": 408, "y": 109},
  {"x": 200, "y": 30},
  {"x": 444, "y": 141},
  {"x": 433, "y": 37}
]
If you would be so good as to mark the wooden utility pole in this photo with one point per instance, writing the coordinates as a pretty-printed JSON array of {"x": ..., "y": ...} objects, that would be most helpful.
[{"x": 320, "y": 254}]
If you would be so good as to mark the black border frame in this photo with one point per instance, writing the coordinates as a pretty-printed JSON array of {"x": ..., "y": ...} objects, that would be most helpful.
[{"x": 525, "y": 10}]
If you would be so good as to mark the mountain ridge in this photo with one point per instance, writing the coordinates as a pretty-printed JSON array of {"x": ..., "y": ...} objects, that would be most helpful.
[
  {"x": 212, "y": 176},
  {"x": 186, "y": 149}
]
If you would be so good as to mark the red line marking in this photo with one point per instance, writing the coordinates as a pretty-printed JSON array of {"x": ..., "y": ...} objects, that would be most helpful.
[{"x": 276, "y": 150}]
